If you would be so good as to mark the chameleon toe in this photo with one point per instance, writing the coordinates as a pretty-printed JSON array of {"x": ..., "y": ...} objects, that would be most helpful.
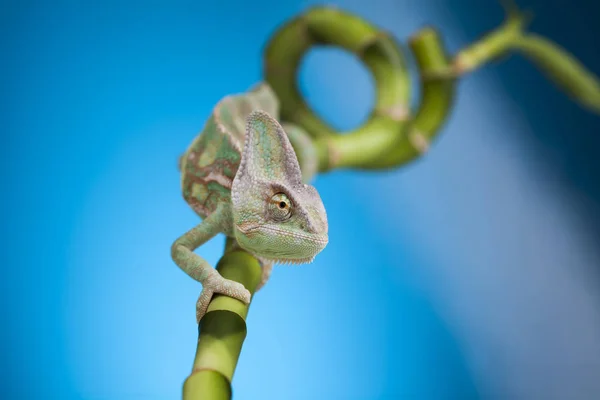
[{"x": 202, "y": 303}]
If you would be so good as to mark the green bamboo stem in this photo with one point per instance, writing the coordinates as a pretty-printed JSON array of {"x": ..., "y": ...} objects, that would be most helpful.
[{"x": 221, "y": 332}]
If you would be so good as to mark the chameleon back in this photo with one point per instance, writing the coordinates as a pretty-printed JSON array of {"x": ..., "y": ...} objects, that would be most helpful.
[{"x": 211, "y": 161}]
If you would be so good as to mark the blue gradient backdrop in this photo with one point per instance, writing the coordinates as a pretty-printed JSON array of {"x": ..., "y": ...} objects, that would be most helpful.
[{"x": 470, "y": 274}]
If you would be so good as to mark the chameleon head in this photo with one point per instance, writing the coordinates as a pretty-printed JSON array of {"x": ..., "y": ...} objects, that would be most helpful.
[{"x": 276, "y": 216}]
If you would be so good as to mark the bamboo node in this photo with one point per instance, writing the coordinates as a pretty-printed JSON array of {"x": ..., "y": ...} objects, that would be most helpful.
[{"x": 419, "y": 141}]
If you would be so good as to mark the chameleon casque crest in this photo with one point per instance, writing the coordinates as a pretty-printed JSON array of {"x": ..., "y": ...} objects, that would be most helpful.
[{"x": 242, "y": 177}]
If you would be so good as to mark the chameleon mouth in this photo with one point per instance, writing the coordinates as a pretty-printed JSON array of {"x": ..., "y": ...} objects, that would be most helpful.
[
  {"x": 289, "y": 261},
  {"x": 304, "y": 252},
  {"x": 318, "y": 240}
]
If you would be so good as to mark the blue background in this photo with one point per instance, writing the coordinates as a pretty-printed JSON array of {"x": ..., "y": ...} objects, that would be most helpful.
[{"x": 472, "y": 273}]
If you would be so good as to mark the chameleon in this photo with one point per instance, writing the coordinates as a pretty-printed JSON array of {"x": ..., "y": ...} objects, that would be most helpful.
[{"x": 242, "y": 177}]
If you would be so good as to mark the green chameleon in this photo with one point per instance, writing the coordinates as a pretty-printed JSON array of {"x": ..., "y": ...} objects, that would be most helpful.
[{"x": 242, "y": 177}]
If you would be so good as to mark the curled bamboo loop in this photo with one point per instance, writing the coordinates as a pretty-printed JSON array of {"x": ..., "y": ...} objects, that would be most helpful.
[{"x": 380, "y": 53}]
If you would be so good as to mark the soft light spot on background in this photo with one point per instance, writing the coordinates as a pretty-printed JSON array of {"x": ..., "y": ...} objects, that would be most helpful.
[{"x": 358, "y": 95}]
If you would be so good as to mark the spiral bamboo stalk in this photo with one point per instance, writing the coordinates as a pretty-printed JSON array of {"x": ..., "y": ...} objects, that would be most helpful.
[{"x": 392, "y": 136}]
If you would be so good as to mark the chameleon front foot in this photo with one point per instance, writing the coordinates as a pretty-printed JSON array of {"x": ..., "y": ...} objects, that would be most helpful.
[{"x": 215, "y": 283}]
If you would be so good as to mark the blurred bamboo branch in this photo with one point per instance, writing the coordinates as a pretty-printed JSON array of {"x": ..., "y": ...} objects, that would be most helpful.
[
  {"x": 392, "y": 135},
  {"x": 563, "y": 69},
  {"x": 495, "y": 44}
]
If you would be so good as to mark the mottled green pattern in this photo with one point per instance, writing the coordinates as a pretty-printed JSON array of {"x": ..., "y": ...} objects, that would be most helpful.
[{"x": 211, "y": 161}]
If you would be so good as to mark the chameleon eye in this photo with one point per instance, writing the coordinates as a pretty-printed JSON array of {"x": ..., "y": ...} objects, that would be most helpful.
[{"x": 280, "y": 207}]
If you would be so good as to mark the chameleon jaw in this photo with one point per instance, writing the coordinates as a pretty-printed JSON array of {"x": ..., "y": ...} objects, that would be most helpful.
[
  {"x": 287, "y": 261},
  {"x": 271, "y": 256}
]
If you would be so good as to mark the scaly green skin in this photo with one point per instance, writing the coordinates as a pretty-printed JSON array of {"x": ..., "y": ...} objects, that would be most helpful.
[{"x": 242, "y": 177}]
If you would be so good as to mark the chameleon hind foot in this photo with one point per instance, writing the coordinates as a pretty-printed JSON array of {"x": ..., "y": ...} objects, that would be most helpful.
[{"x": 215, "y": 283}]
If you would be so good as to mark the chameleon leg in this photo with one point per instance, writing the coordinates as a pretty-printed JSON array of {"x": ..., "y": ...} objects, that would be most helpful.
[
  {"x": 267, "y": 267},
  {"x": 195, "y": 266},
  {"x": 305, "y": 150}
]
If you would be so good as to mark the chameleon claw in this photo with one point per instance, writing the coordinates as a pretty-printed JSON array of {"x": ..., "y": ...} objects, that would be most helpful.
[
  {"x": 217, "y": 284},
  {"x": 202, "y": 304}
]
